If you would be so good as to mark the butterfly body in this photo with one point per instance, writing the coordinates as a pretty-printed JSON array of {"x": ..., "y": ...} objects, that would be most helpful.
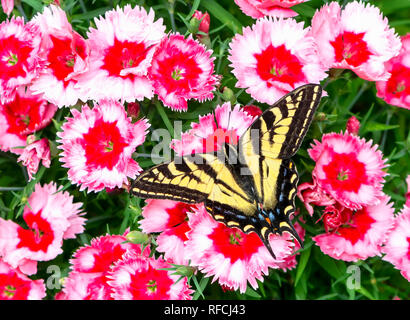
[{"x": 251, "y": 185}]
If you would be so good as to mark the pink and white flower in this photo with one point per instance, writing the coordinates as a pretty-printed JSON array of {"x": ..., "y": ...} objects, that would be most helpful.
[
  {"x": 274, "y": 8},
  {"x": 19, "y": 56},
  {"x": 33, "y": 153},
  {"x": 25, "y": 114},
  {"x": 169, "y": 218},
  {"x": 396, "y": 90},
  {"x": 356, "y": 38},
  {"x": 92, "y": 264},
  {"x": 14, "y": 285},
  {"x": 349, "y": 169},
  {"x": 122, "y": 46},
  {"x": 397, "y": 246},
  {"x": 361, "y": 235},
  {"x": 229, "y": 255},
  {"x": 98, "y": 144},
  {"x": 51, "y": 217},
  {"x": 66, "y": 54},
  {"x": 182, "y": 69},
  {"x": 140, "y": 278},
  {"x": 273, "y": 57},
  {"x": 214, "y": 129}
]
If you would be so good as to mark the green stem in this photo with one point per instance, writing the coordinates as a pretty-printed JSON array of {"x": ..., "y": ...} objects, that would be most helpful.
[
  {"x": 11, "y": 188},
  {"x": 171, "y": 10}
]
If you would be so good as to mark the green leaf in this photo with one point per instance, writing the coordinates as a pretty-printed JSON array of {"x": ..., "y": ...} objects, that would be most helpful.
[
  {"x": 216, "y": 10},
  {"x": 304, "y": 258},
  {"x": 336, "y": 269},
  {"x": 375, "y": 126},
  {"x": 35, "y": 4},
  {"x": 252, "y": 293}
]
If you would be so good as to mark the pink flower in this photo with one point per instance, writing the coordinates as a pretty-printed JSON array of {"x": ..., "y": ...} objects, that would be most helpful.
[
  {"x": 91, "y": 265},
  {"x": 214, "y": 129},
  {"x": 397, "y": 246},
  {"x": 356, "y": 38},
  {"x": 252, "y": 110},
  {"x": 98, "y": 144},
  {"x": 396, "y": 90},
  {"x": 14, "y": 285},
  {"x": 229, "y": 255},
  {"x": 349, "y": 169},
  {"x": 140, "y": 278},
  {"x": 51, "y": 216},
  {"x": 33, "y": 153},
  {"x": 275, "y": 8},
  {"x": 66, "y": 53},
  {"x": 273, "y": 57},
  {"x": 408, "y": 191},
  {"x": 7, "y": 6},
  {"x": 169, "y": 218},
  {"x": 361, "y": 235},
  {"x": 313, "y": 194},
  {"x": 19, "y": 56},
  {"x": 26, "y": 114},
  {"x": 182, "y": 69},
  {"x": 122, "y": 46}
]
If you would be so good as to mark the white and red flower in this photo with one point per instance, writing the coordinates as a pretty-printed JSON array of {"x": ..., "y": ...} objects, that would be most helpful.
[
  {"x": 356, "y": 38},
  {"x": 14, "y": 285},
  {"x": 33, "y": 153},
  {"x": 122, "y": 46},
  {"x": 273, "y": 57},
  {"x": 171, "y": 219},
  {"x": 91, "y": 265},
  {"x": 396, "y": 90},
  {"x": 397, "y": 246},
  {"x": 19, "y": 56},
  {"x": 140, "y": 278},
  {"x": 51, "y": 216},
  {"x": 348, "y": 169},
  {"x": 214, "y": 129},
  {"x": 356, "y": 235},
  {"x": 25, "y": 114},
  {"x": 98, "y": 144},
  {"x": 229, "y": 255},
  {"x": 275, "y": 8},
  {"x": 66, "y": 54},
  {"x": 182, "y": 69}
]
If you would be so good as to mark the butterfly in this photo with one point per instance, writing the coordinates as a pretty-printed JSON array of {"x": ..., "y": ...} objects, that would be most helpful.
[{"x": 251, "y": 185}]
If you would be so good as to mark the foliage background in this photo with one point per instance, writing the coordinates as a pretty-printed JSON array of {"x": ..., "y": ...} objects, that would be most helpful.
[{"x": 317, "y": 276}]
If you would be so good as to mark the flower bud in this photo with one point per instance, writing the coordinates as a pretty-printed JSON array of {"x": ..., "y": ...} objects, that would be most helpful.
[
  {"x": 204, "y": 21},
  {"x": 137, "y": 237},
  {"x": 186, "y": 271},
  {"x": 228, "y": 95},
  {"x": 353, "y": 125}
]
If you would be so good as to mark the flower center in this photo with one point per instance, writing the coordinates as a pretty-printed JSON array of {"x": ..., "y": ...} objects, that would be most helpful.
[
  {"x": 152, "y": 286},
  {"x": 39, "y": 235},
  {"x": 278, "y": 64},
  {"x": 124, "y": 55},
  {"x": 235, "y": 238},
  {"x": 345, "y": 172},
  {"x": 358, "y": 226},
  {"x": 177, "y": 74},
  {"x": 399, "y": 81},
  {"x": 11, "y": 60},
  {"x": 103, "y": 144},
  {"x": 351, "y": 47},
  {"x": 9, "y": 291}
]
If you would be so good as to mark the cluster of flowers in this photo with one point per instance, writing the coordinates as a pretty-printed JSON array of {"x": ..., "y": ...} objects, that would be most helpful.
[
  {"x": 51, "y": 216},
  {"x": 358, "y": 217},
  {"x": 276, "y": 55},
  {"x": 46, "y": 65},
  {"x": 113, "y": 268}
]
